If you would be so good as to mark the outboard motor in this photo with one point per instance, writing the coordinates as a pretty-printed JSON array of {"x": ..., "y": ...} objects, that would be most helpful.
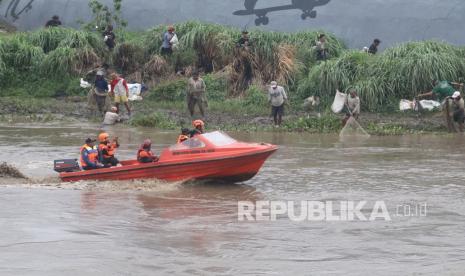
[{"x": 66, "y": 165}]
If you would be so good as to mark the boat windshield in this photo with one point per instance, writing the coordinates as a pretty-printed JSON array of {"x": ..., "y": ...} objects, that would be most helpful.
[
  {"x": 219, "y": 138},
  {"x": 192, "y": 143}
]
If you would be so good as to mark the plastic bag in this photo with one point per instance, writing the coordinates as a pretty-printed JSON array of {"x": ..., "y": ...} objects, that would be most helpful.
[
  {"x": 429, "y": 104},
  {"x": 406, "y": 105},
  {"x": 339, "y": 102},
  {"x": 85, "y": 84},
  {"x": 174, "y": 41}
]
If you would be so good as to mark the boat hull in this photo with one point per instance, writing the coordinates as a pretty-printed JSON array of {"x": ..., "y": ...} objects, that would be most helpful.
[{"x": 236, "y": 168}]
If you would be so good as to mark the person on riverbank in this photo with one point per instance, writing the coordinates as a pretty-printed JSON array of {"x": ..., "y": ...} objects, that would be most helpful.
[
  {"x": 441, "y": 90},
  {"x": 111, "y": 117},
  {"x": 352, "y": 106},
  {"x": 167, "y": 45},
  {"x": 244, "y": 41},
  {"x": 277, "y": 97},
  {"x": 120, "y": 90},
  {"x": 89, "y": 156},
  {"x": 54, "y": 22},
  {"x": 109, "y": 37},
  {"x": 196, "y": 90},
  {"x": 321, "y": 50},
  {"x": 107, "y": 149},
  {"x": 101, "y": 91},
  {"x": 374, "y": 47},
  {"x": 458, "y": 110},
  {"x": 145, "y": 154}
]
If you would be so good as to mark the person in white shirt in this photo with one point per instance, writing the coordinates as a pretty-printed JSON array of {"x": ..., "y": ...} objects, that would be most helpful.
[
  {"x": 111, "y": 117},
  {"x": 277, "y": 97}
]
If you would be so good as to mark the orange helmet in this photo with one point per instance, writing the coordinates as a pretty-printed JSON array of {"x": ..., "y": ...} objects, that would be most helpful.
[
  {"x": 198, "y": 123},
  {"x": 103, "y": 136}
]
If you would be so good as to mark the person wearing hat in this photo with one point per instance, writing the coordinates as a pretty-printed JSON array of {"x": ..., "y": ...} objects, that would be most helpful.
[
  {"x": 244, "y": 41},
  {"x": 277, "y": 97},
  {"x": 167, "y": 46},
  {"x": 374, "y": 47},
  {"x": 54, "y": 22},
  {"x": 111, "y": 117},
  {"x": 196, "y": 89},
  {"x": 120, "y": 90},
  {"x": 458, "y": 109},
  {"x": 199, "y": 128},
  {"x": 89, "y": 156},
  {"x": 101, "y": 90}
]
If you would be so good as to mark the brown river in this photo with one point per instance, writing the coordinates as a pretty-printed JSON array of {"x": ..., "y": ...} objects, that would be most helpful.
[{"x": 154, "y": 228}]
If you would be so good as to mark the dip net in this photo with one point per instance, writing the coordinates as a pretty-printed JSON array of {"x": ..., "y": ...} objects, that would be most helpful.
[{"x": 353, "y": 129}]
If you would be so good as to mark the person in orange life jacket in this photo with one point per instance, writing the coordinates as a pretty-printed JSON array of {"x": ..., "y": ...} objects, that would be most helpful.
[
  {"x": 106, "y": 150},
  {"x": 89, "y": 156},
  {"x": 145, "y": 154},
  {"x": 184, "y": 135},
  {"x": 199, "y": 128}
]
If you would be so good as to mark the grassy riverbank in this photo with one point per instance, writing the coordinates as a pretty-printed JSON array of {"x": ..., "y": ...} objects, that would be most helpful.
[
  {"x": 221, "y": 115},
  {"x": 40, "y": 72}
]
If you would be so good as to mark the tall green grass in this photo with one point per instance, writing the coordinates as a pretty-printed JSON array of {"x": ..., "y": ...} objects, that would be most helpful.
[{"x": 402, "y": 71}]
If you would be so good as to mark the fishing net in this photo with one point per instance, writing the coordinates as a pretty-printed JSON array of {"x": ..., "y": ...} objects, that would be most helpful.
[{"x": 353, "y": 129}]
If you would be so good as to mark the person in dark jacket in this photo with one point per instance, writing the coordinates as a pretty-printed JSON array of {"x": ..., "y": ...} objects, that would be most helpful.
[
  {"x": 109, "y": 37},
  {"x": 374, "y": 47},
  {"x": 54, "y": 22},
  {"x": 101, "y": 91}
]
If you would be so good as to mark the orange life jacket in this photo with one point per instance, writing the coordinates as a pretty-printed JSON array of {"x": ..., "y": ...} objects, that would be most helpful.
[
  {"x": 182, "y": 138},
  {"x": 142, "y": 153},
  {"x": 92, "y": 154},
  {"x": 111, "y": 148}
]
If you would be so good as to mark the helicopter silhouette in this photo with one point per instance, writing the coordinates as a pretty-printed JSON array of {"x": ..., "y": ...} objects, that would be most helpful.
[
  {"x": 15, "y": 9},
  {"x": 306, "y": 6}
]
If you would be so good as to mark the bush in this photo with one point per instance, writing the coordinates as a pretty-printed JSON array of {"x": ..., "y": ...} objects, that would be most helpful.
[
  {"x": 156, "y": 119},
  {"x": 217, "y": 87},
  {"x": 169, "y": 91},
  {"x": 255, "y": 96}
]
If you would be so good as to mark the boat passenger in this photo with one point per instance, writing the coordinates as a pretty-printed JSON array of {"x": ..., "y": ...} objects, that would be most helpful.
[
  {"x": 145, "y": 154},
  {"x": 106, "y": 150},
  {"x": 89, "y": 156},
  {"x": 184, "y": 135},
  {"x": 199, "y": 128}
]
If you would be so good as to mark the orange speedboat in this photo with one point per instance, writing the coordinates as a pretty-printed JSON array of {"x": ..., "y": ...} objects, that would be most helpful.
[{"x": 210, "y": 156}]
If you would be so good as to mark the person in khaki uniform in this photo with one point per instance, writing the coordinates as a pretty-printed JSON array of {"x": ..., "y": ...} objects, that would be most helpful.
[{"x": 196, "y": 94}]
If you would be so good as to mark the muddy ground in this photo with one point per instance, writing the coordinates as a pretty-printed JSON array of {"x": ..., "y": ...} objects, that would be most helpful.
[{"x": 76, "y": 109}]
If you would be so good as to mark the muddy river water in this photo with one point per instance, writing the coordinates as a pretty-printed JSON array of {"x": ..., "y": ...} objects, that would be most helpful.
[{"x": 155, "y": 228}]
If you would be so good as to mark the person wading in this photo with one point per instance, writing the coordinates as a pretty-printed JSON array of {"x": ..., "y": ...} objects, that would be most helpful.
[
  {"x": 277, "y": 97},
  {"x": 120, "y": 90},
  {"x": 196, "y": 94},
  {"x": 352, "y": 106}
]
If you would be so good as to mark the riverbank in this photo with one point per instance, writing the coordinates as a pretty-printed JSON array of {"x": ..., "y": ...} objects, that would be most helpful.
[{"x": 231, "y": 114}]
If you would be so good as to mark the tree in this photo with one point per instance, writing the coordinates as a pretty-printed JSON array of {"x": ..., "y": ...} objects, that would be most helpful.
[{"x": 102, "y": 15}]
